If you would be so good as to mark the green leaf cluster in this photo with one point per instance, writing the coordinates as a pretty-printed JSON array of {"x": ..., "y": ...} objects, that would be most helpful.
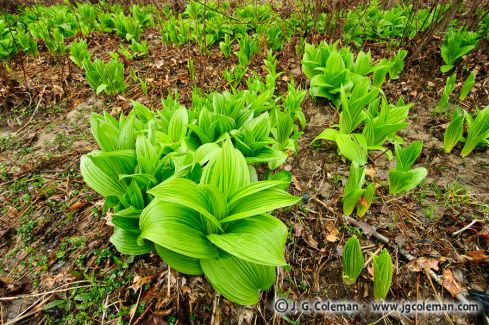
[
  {"x": 354, "y": 194},
  {"x": 105, "y": 77},
  {"x": 79, "y": 52},
  {"x": 477, "y": 131},
  {"x": 182, "y": 182},
  {"x": 447, "y": 90},
  {"x": 330, "y": 69},
  {"x": 456, "y": 44},
  {"x": 380, "y": 122},
  {"x": 376, "y": 23},
  {"x": 402, "y": 178}
]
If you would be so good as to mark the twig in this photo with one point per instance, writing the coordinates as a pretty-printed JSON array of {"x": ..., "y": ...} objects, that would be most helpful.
[
  {"x": 48, "y": 292},
  {"x": 135, "y": 306},
  {"x": 33, "y": 113},
  {"x": 214, "y": 307},
  {"x": 466, "y": 227}
]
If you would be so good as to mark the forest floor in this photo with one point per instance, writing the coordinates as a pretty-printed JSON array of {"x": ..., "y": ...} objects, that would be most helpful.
[{"x": 55, "y": 252}]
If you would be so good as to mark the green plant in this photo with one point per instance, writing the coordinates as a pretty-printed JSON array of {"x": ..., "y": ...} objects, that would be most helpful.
[
  {"x": 403, "y": 178},
  {"x": 271, "y": 66},
  {"x": 449, "y": 87},
  {"x": 7, "y": 45},
  {"x": 292, "y": 103},
  {"x": 216, "y": 224},
  {"x": 235, "y": 75},
  {"x": 362, "y": 107},
  {"x": 79, "y": 52},
  {"x": 335, "y": 76},
  {"x": 144, "y": 86},
  {"x": 139, "y": 49},
  {"x": 219, "y": 227},
  {"x": 55, "y": 42},
  {"x": 477, "y": 131},
  {"x": 382, "y": 125},
  {"x": 25, "y": 41},
  {"x": 457, "y": 43},
  {"x": 248, "y": 46},
  {"x": 191, "y": 68},
  {"x": 467, "y": 86},
  {"x": 107, "y": 77},
  {"x": 330, "y": 69},
  {"x": 225, "y": 46},
  {"x": 454, "y": 131},
  {"x": 353, "y": 260},
  {"x": 354, "y": 195},
  {"x": 126, "y": 26},
  {"x": 383, "y": 272}
]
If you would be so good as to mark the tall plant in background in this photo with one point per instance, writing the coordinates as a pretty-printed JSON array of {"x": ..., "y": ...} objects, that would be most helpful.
[
  {"x": 457, "y": 43},
  {"x": 105, "y": 77}
]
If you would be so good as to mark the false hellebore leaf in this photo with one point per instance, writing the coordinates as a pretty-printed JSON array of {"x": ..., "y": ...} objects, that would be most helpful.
[
  {"x": 403, "y": 178},
  {"x": 454, "y": 131},
  {"x": 354, "y": 195},
  {"x": 352, "y": 260},
  {"x": 382, "y": 274}
]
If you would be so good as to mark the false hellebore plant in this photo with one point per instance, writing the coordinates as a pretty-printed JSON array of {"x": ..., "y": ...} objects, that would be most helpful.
[
  {"x": 352, "y": 260},
  {"x": 202, "y": 210}
]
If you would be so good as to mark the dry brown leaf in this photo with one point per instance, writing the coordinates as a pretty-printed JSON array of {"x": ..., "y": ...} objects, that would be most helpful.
[
  {"x": 478, "y": 256},
  {"x": 370, "y": 172},
  {"x": 311, "y": 241},
  {"x": 424, "y": 264},
  {"x": 332, "y": 232},
  {"x": 77, "y": 205},
  {"x": 298, "y": 230},
  {"x": 139, "y": 281},
  {"x": 296, "y": 184},
  {"x": 450, "y": 283}
]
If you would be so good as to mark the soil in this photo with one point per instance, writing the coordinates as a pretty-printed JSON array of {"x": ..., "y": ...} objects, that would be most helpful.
[{"x": 55, "y": 237}]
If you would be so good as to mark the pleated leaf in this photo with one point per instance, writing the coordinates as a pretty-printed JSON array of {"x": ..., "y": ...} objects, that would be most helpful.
[
  {"x": 177, "y": 228},
  {"x": 238, "y": 280},
  {"x": 186, "y": 193},
  {"x": 177, "y": 129},
  {"x": 179, "y": 262},
  {"x": 99, "y": 180},
  {"x": 454, "y": 131},
  {"x": 467, "y": 86},
  {"x": 405, "y": 158},
  {"x": 383, "y": 272},
  {"x": 260, "y": 239},
  {"x": 126, "y": 242},
  {"x": 401, "y": 181},
  {"x": 353, "y": 147},
  {"x": 254, "y": 188},
  {"x": 228, "y": 170},
  {"x": 366, "y": 200},
  {"x": 260, "y": 202},
  {"x": 353, "y": 260},
  {"x": 477, "y": 131}
]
